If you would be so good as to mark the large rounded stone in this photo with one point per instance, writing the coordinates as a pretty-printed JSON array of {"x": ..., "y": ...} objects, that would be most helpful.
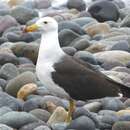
[
  {"x": 6, "y": 22},
  {"x": 82, "y": 123},
  {"x": 26, "y": 50},
  {"x": 121, "y": 125},
  {"x": 15, "y": 84},
  {"x": 20, "y": 119},
  {"x": 104, "y": 10},
  {"x": 23, "y": 14},
  {"x": 8, "y": 71},
  {"x": 9, "y": 101},
  {"x": 66, "y": 36},
  {"x": 41, "y": 114},
  {"x": 72, "y": 26},
  {"x": 77, "y": 4}
]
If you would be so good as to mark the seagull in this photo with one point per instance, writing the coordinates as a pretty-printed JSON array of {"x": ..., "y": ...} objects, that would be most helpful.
[{"x": 79, "y": 79}]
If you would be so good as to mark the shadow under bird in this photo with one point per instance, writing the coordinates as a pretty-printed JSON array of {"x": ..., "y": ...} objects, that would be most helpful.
[{"x": 79, "y": 79}]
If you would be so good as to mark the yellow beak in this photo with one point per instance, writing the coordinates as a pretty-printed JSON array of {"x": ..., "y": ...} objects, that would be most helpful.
[{"x": 31, "y": 28}]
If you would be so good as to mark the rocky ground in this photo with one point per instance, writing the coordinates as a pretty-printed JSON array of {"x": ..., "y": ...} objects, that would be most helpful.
[{"x": 100, "y": 36}]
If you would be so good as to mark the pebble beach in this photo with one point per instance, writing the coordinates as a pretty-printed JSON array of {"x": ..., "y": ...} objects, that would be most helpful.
[{"x": 95, "y": 31}]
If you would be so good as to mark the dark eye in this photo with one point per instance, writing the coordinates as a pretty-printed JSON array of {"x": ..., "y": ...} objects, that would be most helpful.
[{"x": 45, "y": 22}]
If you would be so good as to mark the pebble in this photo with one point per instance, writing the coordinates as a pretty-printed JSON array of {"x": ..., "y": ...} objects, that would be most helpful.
[
  {"x": 121, "y": 125},
  {"x": 41, "y": 114},
  {"x": 4, "y": 110},
  {"x": 3, "y": 83},
  {"x": 20, "y": 119},
  {"x": 25, "y": 90},
  {"x": 112, "y": 104},
  {"x": 6, "y": 22},
  {"x": 80, "y": 43},
  {"x": 32, "y": 126},
  {"x": 77, "y": 4},
  {"x": 72, "y": 26},
  {"x": 99, "y": 28},
  {"x": 8, "y": 71},
  {"x": 9, "y": 101},
  {"x": 99, "y": 8},
  {"x": 23, "y": 14},
  {"x": 125, "y": 22},
  {"x": 42, "y": 128},
  {"x": 66, "y": 36},
  {"x": 93, "y": 107},
  {"x": 5, "y": 127},
  {"x": 59, "y": 115},
  {"x": 120, "y": 56},
  {"x": 86, "y": 56},
  {"x": 69, "y": 50},
  {"x": 82, "y": 123},
  {"x": 16, "y": 83}
]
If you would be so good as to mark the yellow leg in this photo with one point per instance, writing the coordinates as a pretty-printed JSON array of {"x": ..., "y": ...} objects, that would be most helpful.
[{"x": 70, "y": 110}]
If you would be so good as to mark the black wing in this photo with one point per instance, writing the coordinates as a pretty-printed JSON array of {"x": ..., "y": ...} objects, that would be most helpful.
[{"x": 82, "y": 81}]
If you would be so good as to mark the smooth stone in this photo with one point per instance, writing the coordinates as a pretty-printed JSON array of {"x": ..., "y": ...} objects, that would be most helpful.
[
  {"x": 26, "y": 50},
  {"x": 123, "y": 112},
  {"x": 83, "y": 20},
  {"x": 125, "y": 22},
  {"x": 121, "y": 125},
  {"x": 9, "y": 101},
  {"x": 7, "y": 21},
  {"x": 59, "y": 126},
  {"x": 84, "y": 112},
  {"x": 42, "y": 128},
  {"x": 119, "y": 3},
  {"x": 15, "y": 84},
  {"x": 24, "y": 60},
  {"x": 107, "y": 112},
  {"x": 41, "y": 114},
  {"x": 77, "y": 4},
  {"x": 23, "y": 14},
  {"x": 3, "y": 40},
  {"x": 8, "y": 58},
  {"x": 4, "y": 5},
  {"x": 59, "y": 115},
  {"x": 124, "y": 12},
  {"x": 5, "y": 127},
  {"x": 112, "y": 104},
  {"x": 3, "y": 83},
  {"x": 69, "y": 50},
  {"x": 112, "y": 24},
  {"x": 104, "y": 11},
  {"x": 4, "y": 110},
  {"x": 26, "y": 67},
  {"x": 20, "y": 119},
  {"x": 93, "y": 107},
  {"x": 127, "y": 102},
  {"x": 26, "y": 90},
  {"x": 72, "y": 26},
  {"x": 32, "y": 126},
  {"x": 42, "y": 91},
  {"x": 8, "y": 71},
  {"x": 125, "y": 117},
  {"x": 66, "y": 36},
  {"x": 109, "y": 119},
  {"x": 82, "y": 123},
  {"x": 80, "y": 43},
  {"x": 99, "y": 28},
  {"x": 86, "y": 56},
  {"x": 120, "y": 56},
  {"x": 108, "y": 65},
  {"x": 121, "y": 45},
  {"x": 84, "y": 14}
]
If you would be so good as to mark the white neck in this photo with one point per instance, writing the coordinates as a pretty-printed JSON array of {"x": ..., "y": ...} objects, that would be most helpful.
[{"x": 50, "y": 50}]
